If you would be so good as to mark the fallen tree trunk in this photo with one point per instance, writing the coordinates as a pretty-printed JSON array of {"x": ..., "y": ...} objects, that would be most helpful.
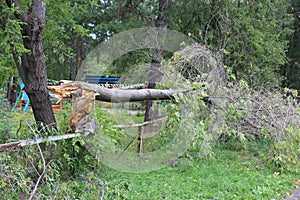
[
  {"x": 83, "y": 96},
  {"x": 76, "y": 88}
]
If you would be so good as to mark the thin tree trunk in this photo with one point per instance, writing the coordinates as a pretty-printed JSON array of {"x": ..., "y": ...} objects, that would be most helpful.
[
  {"x": 71, "y": 71},
  {"x": 292, "y": 71},
  {"x": 78, "y": 55},
  {"x": 154, "y": 74}
]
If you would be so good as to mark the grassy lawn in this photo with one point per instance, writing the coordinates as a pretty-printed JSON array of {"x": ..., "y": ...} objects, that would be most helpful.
[{"x": 229, "y": 175}]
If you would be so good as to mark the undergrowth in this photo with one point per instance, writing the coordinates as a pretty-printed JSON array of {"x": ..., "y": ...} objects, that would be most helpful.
[{"x": 240, "y": 165}]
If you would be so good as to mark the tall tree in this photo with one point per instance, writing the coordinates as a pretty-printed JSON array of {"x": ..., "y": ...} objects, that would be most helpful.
[
  {"x": 155, "y": 71},
  {"x": 65, "y": 32},
  {"x": 75, "y": 27},
  {"x": 250, "y": 34},
  {"x": 31, "y": 62},
  {"x": 292, "y": 70}
]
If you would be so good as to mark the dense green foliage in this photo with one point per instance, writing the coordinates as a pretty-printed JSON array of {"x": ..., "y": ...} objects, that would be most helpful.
[
  {"x": 249, "y": 34},
  {"x": 6, "y": 74},
  {"x": 253, "y": 36},
  {"x": 10, "y": 36},
  {"x": 291, "y": 71}
]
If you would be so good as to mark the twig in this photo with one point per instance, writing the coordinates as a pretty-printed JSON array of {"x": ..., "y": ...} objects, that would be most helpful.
[
  {"x": 102, "y": 187},
  {"x": 8, "y": 177},
  {"x": 46, "y": 127},
  {"x": 142, "y": 124},
  {"x": 32, "y": 164},
  {"x": 40, "y": 177},
  {"x": 127, "y": 146},
  {"x": 30, "y": 127},
  {"x": 251, "y": 124},
  {"x": 20, "y": 126}
]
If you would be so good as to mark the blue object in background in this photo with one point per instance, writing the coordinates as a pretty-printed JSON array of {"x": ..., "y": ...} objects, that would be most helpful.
[
  {"x": 23, "y": 96},
  {"x": 97, "y": 79}
]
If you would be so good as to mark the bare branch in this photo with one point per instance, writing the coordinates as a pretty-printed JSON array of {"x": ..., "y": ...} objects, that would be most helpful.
[
  {"x": 40, "y": 176},
  {"x": 140, "y": 125}
]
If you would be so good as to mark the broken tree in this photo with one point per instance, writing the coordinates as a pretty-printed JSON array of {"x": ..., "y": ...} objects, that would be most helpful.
[{"x": 83, "y": 96}]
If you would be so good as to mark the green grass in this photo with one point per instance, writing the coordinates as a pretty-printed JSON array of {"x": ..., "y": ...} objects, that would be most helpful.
[
  {"x": 230, "y": 174},
  {"x": 10, "y": 123}
]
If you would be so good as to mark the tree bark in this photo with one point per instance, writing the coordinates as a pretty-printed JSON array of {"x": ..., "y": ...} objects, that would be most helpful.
[
  {"x": 32, "y": 67},
  {"x": 154, "y": 74},
  {"x": 291, "y": 70},
  {"x": 76, "y": 88}
]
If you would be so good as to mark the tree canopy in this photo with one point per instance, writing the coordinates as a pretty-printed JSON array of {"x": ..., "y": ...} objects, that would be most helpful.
[{"x": 252, "y": 37}]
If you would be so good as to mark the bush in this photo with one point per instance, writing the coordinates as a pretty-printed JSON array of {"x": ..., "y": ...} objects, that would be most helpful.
[{"x": 264, "y": 115}]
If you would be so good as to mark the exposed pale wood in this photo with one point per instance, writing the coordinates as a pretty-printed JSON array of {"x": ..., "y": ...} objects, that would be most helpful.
[{"x": 82, "y": 105}]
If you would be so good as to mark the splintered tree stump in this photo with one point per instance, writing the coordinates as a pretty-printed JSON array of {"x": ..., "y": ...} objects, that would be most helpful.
[{"x": 82, "y": 105}]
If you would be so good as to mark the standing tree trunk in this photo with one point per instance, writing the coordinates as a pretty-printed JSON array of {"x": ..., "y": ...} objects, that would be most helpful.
[
  {"x": 291, "y": 71},
  {"x": 32, "y": 67},
  {"x": 154, "y": 74},
  {"x": 78, "y": 55}
]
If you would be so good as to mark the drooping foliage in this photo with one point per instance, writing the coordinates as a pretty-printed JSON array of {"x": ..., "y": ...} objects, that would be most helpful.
[{"x": 10, "y": 34}]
